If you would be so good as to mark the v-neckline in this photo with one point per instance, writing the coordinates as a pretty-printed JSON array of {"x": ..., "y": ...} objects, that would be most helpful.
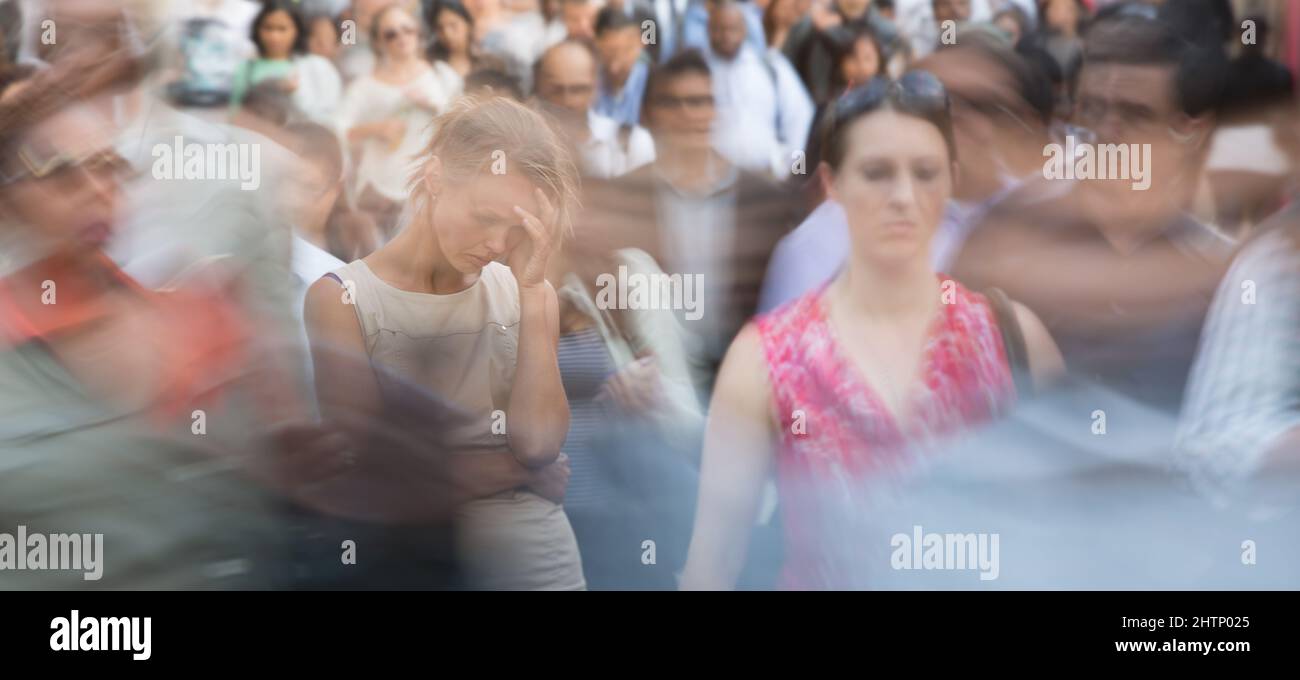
[{"x": 843, "y": 365}]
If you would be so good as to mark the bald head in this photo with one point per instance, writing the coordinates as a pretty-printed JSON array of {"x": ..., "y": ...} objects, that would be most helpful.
[
  {"x": 726, "y": 28},
  {"x": 566, "y": 76}
]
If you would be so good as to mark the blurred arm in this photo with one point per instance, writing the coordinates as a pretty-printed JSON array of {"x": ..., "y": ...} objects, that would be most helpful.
[{"x": 738, "y": 453}]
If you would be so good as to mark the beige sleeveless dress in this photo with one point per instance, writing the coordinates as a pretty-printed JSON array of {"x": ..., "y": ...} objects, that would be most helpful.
[{"x": 463, "y": 347}]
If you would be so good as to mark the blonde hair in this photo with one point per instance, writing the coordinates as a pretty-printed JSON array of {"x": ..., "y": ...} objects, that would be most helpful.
[{"x": 478, "y": 132}]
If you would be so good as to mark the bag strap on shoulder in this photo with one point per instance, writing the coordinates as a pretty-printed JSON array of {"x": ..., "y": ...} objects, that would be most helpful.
[{"x": 1013, "y": 340}]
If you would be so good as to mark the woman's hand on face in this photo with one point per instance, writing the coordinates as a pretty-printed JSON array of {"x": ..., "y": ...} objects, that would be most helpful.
[
  {"x": 636, "y": 388},
  {"x": 528, "y": 259}
]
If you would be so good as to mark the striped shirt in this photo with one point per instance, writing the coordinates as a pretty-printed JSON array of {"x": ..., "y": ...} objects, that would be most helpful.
[
  {"x": 1244, "y": 389},
  {"x": 585, "y": 365}
]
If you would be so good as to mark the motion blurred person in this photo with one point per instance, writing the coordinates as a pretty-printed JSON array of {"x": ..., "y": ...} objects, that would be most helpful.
[
  {"x": 386, "y": 115},
  {"x": 1117, "y": 270},
  {"x": 879, "y": 362},
  {"x": 434, "y": 307},
  {"x": 694, "y": 212},
  {"x": 102, "y": 375},
  {"x": 566, "y": 81},
  {"x": 764, "y": 112},
  {"x": 324, "y": 219},
  {"x": 636, "y": 423},
  {"x": 1240, "y": 423}
]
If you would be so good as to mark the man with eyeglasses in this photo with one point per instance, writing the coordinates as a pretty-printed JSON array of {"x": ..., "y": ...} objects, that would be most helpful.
[
  {"x": 697, "y": 214},
  {"x": 565, "y": 78},
  {"x": 1121, "y": 277},
  {"x": 693, "y": 210}
]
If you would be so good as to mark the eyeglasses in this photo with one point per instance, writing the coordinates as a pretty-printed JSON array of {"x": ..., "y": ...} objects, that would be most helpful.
[
  {"x": 693, "y": 102},
  {"x": 560, "y": 90},
  {"x": 391, "y": 34},
  {"x": 98, "y": 163}
]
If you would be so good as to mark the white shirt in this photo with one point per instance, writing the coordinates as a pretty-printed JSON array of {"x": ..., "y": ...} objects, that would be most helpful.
[
  {"x": 369, "y": 100},
  {"x": 307, "y": 263},
  {"x": 604, "y": 155},
  {"x": 764, "y": 112},
  {"x": 319, "y": 88}
]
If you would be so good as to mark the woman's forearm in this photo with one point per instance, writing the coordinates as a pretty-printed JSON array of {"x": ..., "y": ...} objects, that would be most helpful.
[{"x": 537, "y": 418}]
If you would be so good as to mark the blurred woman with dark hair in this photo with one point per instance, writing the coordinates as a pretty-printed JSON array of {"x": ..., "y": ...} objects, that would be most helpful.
[
  {"x": 853, "y": 381},
  {"x": 452, "y": 28}
]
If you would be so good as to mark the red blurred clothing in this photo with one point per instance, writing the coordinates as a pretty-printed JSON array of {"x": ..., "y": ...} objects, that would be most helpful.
[
  {"x": 837, "y": 436},
  {"x": 200, "y": 334}
]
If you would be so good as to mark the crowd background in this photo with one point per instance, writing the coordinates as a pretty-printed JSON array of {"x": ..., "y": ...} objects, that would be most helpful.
[{"x": 703, "y": 139}]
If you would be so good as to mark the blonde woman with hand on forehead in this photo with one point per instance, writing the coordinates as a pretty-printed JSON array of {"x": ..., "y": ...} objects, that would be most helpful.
[{"x": 436, "y": 308}]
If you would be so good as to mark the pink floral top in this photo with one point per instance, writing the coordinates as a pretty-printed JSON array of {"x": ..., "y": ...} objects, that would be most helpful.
[{"x": 836, "y": 435}]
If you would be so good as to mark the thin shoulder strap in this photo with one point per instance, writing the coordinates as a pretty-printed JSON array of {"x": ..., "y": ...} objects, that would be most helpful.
[{"x": 1013, "y": 340}]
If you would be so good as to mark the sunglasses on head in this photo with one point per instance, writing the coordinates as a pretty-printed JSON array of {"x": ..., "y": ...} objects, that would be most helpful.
[{"x": 916, "y": 91}]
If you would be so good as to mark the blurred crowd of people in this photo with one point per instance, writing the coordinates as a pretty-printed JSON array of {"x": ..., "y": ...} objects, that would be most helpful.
[{"x": 421, "y": 349}]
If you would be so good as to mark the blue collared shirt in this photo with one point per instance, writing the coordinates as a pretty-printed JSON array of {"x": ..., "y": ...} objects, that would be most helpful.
[{"x": 624, "y": 106}]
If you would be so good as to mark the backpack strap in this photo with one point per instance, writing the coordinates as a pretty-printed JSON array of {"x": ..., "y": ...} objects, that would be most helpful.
[{"x": 1013, "y": 340}]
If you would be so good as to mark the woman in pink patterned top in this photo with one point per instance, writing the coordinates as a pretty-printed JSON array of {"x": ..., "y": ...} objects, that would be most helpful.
[{"x": 841, "y": 386}]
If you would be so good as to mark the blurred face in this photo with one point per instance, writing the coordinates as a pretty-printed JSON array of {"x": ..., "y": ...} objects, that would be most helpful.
[
  {"x": 1135, "y": 104},
  {"x": 322, "y": 39},
  {"x": 1008, "y": 26},
  {"x": 1062, "y": 15},
  {"x": 67, "y": 182},
  {"x": 89, "y": 28},
  {"x": 681, "y": 112},
  {"x": 726, "y": 30},
  {"x": 313, "y": 190},
  {"x": 277, "y": 34},
  {"x": 579, "y": 19},
  {"x": 956, "y": 11},
  {"x": 452, "y": 31},
  {"x": 862, "y": 64},
  {"x": 984, "y": 101},
  {"x": 618, "y": 51},
  {"x": 399, "y": 35},
  {"x": 475, "y": 220},
  {"x": 893, "y": 183},
  {"x": 853, "y": 8},
  {"x": 568, "y": 79},
  {"x": 787, "y": 12}
]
